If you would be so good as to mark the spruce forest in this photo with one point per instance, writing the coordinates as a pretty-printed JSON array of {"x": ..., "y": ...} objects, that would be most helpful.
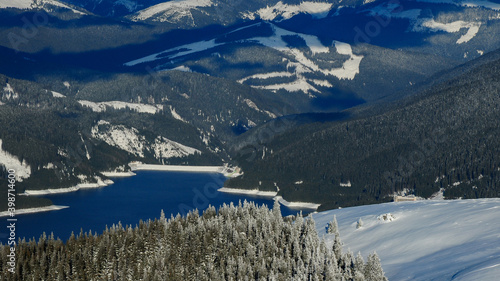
[{"x": 244, "y": 242}]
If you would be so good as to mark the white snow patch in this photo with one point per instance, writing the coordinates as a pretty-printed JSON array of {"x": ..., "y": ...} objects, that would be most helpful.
[
  {"x": 295, "y": 86},
  {"x": 139, "y": 107},
  {"x": 9, "y": 161},
  {"x": 452, "y": 27},
  {"x": 19, "y": 4},
  {"x": 129, "y": 139},
  {"x": 252, "y": 105},
  {"x": 176, "y": 115},
  {"x": 287, "y": 11},
  {"x": 165, "y": 148},
  {"x": 347, "y": 184},
  {"x": 480, "y": 52},
  {"x": 34, "y": 4},
  {"x": 177, "y": 51},
  {"x": 171, "y": 11},
  {"x": 323, "y": 83},
  {"x": 266, "y": 76},
  {"x": 9, "y": 92},
  {"x": 49, "y": 166},
  {"x": 429, "y": 240},
  {"x": 66, "y": 84},
  {"x": 57, "y": 95},
  {"x": 182, "y": 68},
  {"x": 473, "y": 30}
]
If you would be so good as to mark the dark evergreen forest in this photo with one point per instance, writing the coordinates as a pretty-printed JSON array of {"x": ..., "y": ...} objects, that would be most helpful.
[{"x": 243, "y": 242}]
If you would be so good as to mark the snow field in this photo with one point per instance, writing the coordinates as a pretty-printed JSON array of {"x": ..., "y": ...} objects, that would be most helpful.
[{"x": 427, "y": 240}]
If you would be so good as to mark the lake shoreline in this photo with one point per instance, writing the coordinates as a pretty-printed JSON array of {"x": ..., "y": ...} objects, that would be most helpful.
[
  {"x": 34, "y": 210},
  {"x": 77, "y": 187},
  {"x": 271, "y": 194}
]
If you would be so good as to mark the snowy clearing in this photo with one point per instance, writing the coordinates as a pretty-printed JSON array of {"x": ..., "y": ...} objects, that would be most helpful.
[
  {"x": 139, "y": 107},
  {"x": 287, "y": 11},
  {"x": 130, "y": 140},
  {"x": 57, "y": 95},
  {"x": 253, "y": 106},
  {"x": 22, "y": 169},
  {"x": 176, "y": 115},
  {"x": 34, "y": 4},
  {"x": 426, "y": 240},
  {"x": 452, "y": 27},
  {"x": 302, "y": 64},
  {"x": 176, "y": 10}
]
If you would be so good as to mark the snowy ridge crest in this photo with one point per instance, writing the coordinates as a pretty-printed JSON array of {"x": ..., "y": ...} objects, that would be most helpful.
[
  {"x": 171, "y": 11},
  {"x": 35, "y": 4},
  {"x": 286, "y": 11}
]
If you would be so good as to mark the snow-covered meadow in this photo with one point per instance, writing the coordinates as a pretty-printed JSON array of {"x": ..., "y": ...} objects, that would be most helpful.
[{"x": 427, "y": 240}]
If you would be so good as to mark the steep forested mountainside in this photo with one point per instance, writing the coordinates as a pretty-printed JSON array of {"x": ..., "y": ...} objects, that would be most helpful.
[
  {"x": 445, "y": 138},
  {"x": 56, "y": 140}
]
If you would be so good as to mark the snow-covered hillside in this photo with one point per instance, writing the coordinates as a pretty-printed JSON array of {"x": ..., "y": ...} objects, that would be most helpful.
[
  {"x": 130, "y": 140},
  {"x": 287, "y": 11},
  {"x": 176, "y": 11},
  {"x": 299, "y": 61},
  {"x": 172, "y": 11},
  {"x": 9, "y": 161},
  {"x": 35, "y": 4},
  {"x": 426, "y": 240}
]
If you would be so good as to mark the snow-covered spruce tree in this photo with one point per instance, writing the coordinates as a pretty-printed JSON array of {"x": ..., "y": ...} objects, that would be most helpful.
[
  {"x": 373, "y": 269},
  {"x": 243, "y": 242},
  {"x": 332, "y": 227}
]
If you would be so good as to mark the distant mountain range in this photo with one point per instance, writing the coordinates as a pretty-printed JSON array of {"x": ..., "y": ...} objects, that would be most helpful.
[{"x": 202, "y": 82}]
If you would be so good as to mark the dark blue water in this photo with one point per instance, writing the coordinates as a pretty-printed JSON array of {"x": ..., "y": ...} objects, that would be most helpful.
[{"x": 129, "y": 200}]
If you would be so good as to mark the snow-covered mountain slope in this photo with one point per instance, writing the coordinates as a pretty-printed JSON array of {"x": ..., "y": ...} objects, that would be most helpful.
[
  {"x": 130, "y": 140},
  {"x": 198, "y": 12},
  {"x": 22, "y": 169},
  {"x": 36, "y": 4},
  {"x": 425, "y": 240},
  {"x": 286, "y": 11},
  {"x": 298, "y": 61},
  {"x": 172, "y": 11}
]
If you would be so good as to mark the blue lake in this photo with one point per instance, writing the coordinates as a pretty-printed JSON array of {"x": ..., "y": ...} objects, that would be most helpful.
[{"x": 129, "y": 200}]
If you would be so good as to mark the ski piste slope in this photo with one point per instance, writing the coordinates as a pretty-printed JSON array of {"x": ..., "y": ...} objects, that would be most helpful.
[{"x": 427, "y": 240}]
